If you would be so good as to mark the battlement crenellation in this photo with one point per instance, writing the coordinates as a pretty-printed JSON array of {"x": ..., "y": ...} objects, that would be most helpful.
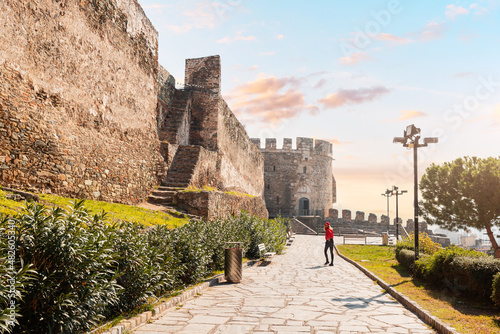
[{"x": 303, "y": 144}]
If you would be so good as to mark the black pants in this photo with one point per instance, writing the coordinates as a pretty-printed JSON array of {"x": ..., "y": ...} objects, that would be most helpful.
[{"x": 329, "y": 244}]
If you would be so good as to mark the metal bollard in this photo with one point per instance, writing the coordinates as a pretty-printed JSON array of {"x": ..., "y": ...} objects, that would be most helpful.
[{"x": 233, "y": 258}]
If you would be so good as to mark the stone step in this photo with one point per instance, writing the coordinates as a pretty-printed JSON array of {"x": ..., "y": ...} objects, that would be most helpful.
[
  {"x": 165, "y": 188},
  {"x": 164, "y": 193},
  {"x": 177, "y": 184},
  {"x": 159, "y": 200}
]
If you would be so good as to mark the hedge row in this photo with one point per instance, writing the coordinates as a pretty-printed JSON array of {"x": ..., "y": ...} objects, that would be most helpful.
[
  {"x": 460, "y": 270},
  {"x": 74, "y": 270}
]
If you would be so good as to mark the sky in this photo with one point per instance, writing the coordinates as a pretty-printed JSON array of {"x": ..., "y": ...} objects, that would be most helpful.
[{"x": 355, "y": 73}]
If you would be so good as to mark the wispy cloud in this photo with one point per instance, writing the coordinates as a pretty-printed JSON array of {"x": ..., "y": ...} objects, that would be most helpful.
[
  {"x": 392, "y": 38},
  {"x": 336, "y": 141},
  {"x": 235, "y": 38},
  {"x": 269, "y": 53},
  {"x": 453, "y": 11},
  {"x": 479, "y": 10},
  {"x": 496, "y": 114},
  {"x": 269, "y": 99},
  {"x": 200, "y": 15},
  {"x": 433, "y": 30},
  {"x": 463, "y": 74},
  {"x": 409, "y": 114},
  {"x": 354, "y": 58},
  {"x": 353, "y": 96},
  {"x": 280, "y": 36}
]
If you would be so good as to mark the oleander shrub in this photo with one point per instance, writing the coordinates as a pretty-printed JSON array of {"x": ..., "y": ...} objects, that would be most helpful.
[
  {"x": 72, "y": 253},
  {"x": 495, "y": 295},
  {"x": 81, "y": 269},
  {"x": 15, "y": 276}
]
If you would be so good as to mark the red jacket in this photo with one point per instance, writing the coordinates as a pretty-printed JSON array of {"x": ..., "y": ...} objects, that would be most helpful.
[{"x": 328, "y": 233}]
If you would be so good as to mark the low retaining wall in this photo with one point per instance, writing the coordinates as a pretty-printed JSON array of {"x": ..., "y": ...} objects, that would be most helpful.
[{"x": 213, "y": 204}]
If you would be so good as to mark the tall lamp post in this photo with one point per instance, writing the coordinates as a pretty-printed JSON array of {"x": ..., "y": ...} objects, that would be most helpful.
[
  {"x": 397, "y": 193},
  {"x": 410, "y": 139},
  {"x": 388, "y": 193}
]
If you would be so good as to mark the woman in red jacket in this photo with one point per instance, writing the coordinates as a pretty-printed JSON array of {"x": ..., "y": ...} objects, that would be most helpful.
[{"x": 328, "y": 242}]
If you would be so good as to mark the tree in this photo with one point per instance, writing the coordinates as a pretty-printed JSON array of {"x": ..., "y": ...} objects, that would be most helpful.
[{"x": 462, "y": 194}]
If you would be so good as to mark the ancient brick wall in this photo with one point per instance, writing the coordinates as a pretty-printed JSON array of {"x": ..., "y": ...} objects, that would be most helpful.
[
  {"x": 241, "y": 163},
  {"x": 297, "y": 181},
  {"x": 214, "y": 205},
  {"x": 78, "y": 98}
]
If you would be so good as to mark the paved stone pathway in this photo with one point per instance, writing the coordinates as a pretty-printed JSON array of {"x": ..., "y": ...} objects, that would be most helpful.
[{"x": 296, "y": 293}]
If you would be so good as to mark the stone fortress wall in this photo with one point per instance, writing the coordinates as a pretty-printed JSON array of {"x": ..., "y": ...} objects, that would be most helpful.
[
  {"x": 78, "y": 98},
  {"x": 359, "y": 225},
  {"x": 298, "y": 182},
  {"x": 197, "y": 115},
  {"x": 87, "y": 111}
]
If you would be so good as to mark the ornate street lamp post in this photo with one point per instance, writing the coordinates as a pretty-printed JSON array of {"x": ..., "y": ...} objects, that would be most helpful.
[
  {"x": 410, "y": 139},
  {"x": 388, "y": 193},
  {"x": 397, "y": 193}
]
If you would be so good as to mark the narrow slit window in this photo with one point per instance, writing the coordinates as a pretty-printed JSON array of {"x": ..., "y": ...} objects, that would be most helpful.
[
  {"x": 277, "y": 200},
  {"x": 274, "y": 168},
  {"x": 305, "y": 170}
]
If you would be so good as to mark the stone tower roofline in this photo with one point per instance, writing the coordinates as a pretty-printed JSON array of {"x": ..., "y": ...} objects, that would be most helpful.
[{"x": 317, "y": 146}]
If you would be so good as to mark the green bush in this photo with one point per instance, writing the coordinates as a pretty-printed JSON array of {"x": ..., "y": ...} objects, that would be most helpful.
[
  {"x": 73, "y": 256},
  {"x": 461, "y": 270},
  {"x": 87, "y": 270},
  {"x": 406, "y": 257},
  {"x": 495, "y": 296},
  {"x": 425, "y": 244},
  {"x": 473, "y": 274},
  {"x": 438, "y": 268},
  {"x": 15, "y": 276}
]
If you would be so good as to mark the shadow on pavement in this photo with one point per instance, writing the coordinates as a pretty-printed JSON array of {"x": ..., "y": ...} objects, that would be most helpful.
[
  {"x": 354, "y": 303},
  {"x": 316, "y": 267}
]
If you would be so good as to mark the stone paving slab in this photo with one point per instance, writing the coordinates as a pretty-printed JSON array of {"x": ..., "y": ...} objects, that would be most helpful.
[{"x": 295, "y": 293}]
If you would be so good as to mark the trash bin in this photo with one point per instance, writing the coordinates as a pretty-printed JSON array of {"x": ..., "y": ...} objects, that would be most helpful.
[
  {"x": 233, "y": 258},
  {"x": 385, "y": 239}
]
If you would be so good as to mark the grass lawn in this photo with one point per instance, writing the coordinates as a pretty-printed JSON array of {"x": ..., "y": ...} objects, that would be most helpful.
[
  {"x": 116, "y": 212},
  {"x": 466, "y": 316}
]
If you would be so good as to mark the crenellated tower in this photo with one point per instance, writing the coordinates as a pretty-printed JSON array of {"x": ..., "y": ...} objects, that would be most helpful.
[{"x": 298, "y": 182}]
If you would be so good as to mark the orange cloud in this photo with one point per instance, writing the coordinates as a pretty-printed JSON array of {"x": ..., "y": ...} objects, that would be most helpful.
[
  {"x": 336, "y": 141},
  {"x": 353, "y": 96},
  {"x": 270, "y": 99},
  {"x": 453, "y": 11},
  {"x": 432, "y": 30},
  {"x": 408, "y": 114},
  {"x": 392, "y": 38},
  {"x": 496, "y": 113},
  {"x": 354, "y": 58}
]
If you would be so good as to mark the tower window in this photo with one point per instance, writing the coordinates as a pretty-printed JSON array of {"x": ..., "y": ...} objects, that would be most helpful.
[
  {"x": 268, "y": 186},
  {"x": 277, "y": 200},
  {"x": 274, "y": 168},
  {"x": 305, "y": 170}
]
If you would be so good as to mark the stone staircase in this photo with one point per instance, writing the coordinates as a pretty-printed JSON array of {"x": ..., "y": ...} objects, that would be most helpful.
[
  {"x": 179, "y": 175},
  {"x": 299, "y": 227}
]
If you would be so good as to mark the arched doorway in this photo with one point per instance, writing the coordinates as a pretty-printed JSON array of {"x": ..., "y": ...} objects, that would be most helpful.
[{"x": 304, "y": 206}]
